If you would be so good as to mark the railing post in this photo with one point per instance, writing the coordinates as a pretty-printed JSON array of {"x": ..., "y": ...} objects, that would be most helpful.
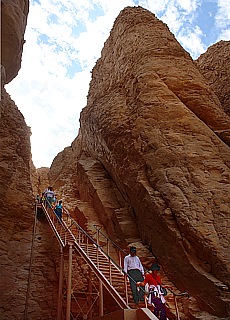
[
  {"x": 97, "y": 256},
  {"x": 110, "y": 272},
  {"x": 107, "y": 247},
  {"x": 59, "y": 311},
  {"x": 126, "y": 289},
  {"x": 177, "y": 312},
  {"x": 101, "y": 313},
  {"x": 69, "y": 286},
  {"x": 98, "y": 248},
  {"x": 98, "y": 236},
  {"x": 90, "y": 288},
  {"x": 65, "y": 241},
  {"x": 79, "y": 236},
  {"x": 87, "y": 245},
  {"x": 119, "y": 257}
]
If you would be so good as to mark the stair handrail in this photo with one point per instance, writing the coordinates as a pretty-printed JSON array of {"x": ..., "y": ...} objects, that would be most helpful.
[
  {"x": 93, "y": 241},
  {"x": 102, "y": 250},
  {"x": 53, "y": 227},
  {"x": 110, "y": 240},
  {"x": 110, "y": 259},
  {"x": 119, "y": 267},
  {"x": 123, "y": 251},
  {"x": 107, "y": 283},
  {"x": 67, "y": 229}
]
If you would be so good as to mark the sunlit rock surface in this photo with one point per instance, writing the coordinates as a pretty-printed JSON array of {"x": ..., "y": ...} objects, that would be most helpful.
[
  {"x": 150, "y": 166},
  {"x": 215, "y": 66},
  {"x": 151, "y": 136}
]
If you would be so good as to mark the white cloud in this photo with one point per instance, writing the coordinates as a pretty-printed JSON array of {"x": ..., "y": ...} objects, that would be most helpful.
[
  {"x": 223, "y": 19},
  {"x": 155, "y": 6},
  {"x": 190, "y": 40},
  {"x": 187, "y": 5},
  {"x": 172, "y": 18},
  {"x": 224, "y": 35}
]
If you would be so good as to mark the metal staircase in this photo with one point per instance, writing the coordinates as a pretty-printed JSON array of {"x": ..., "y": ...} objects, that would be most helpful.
[
  {"x": 105, "y": 276},
  {"x": 103, "y": 287}
]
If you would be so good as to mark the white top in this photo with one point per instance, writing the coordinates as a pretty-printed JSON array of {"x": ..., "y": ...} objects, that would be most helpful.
[
  {"x": 132, "y": 263},
  {"x": 157, "y": 292}
]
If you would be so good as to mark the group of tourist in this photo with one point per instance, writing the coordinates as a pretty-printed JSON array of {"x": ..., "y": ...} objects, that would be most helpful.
[
  {"x": 138, "y": 281},
  {"x": 49, "y": 198}
]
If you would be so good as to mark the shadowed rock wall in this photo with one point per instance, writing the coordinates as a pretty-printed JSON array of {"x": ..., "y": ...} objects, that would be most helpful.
[
  {"x": 14, "y": 17},
  {"x": 29, "y": 255}
]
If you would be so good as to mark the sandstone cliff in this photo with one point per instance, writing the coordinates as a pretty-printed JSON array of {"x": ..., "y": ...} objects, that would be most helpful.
[
  {"x": 215, "y": 66},
  {"x": 150, "y": 165},
  {"x": 14, "y": 17},
  {"x": 152, "y": 159},
  {"x": 28, "y": 250}
]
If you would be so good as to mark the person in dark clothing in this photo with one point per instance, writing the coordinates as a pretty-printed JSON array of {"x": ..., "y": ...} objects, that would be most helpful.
[{"x": 58, "y": 209}]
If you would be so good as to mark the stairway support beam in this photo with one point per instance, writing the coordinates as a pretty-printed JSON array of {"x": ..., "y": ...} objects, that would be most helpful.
[
  {"x": 59, "y": 311},
  {"x": 69, "y": 286},
  {"x": 101, "y": 313},
  {"x": 90, "y": 288}
]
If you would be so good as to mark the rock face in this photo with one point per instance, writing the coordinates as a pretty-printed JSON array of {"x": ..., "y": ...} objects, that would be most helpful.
[
  {"x": 215, "y": 66},
  {"x": 14, "y": 17},
  {"x": 150, "y": 166},
  {"x": 22, "y": 236},
  {"x": 29, "y": 254},
  {"x": 157, "y": 133},
  {"x": 15, "y": 207}
]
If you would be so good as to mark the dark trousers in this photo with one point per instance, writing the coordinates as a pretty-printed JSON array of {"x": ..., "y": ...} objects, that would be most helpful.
[
  {"x": 159, "y": 309},
  {"x": 137, "y": 292}
]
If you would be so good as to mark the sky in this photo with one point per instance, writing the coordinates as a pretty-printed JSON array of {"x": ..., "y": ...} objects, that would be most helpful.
[{"x": 64, "y": 39}]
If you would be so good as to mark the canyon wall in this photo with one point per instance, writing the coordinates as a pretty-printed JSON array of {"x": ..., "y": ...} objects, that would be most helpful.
[
  {"x": 150, "y": 165},
  {"x": 14, "y": 18},
  {"x": 153, "y": 149},
  {"x": 29, "y": 253},
  {"x": 214, "y": 64}
]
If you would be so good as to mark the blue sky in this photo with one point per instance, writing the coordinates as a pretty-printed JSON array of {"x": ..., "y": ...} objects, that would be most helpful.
[{"x": 63, "y": 41}]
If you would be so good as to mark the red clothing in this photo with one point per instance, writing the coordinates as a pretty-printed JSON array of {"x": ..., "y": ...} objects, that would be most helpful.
[{"x": 152, "y": 279}]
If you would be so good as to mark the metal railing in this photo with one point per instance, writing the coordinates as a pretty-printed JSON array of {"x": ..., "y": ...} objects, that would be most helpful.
[
  {"x": 85, "y": 238},
  {"x": 67, "y": 230},
  {"x": 122, "y": 253},
  {"x": 68, "y": 226}
]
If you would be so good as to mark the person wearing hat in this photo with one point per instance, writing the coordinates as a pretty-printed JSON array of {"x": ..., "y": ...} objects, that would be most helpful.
[
  {"x": 156, "y": 297},
  {"x": 135, "y": 271}
]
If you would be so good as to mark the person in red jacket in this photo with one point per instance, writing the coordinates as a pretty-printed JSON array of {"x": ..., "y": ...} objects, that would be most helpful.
[{"x": 156, "y": 296}]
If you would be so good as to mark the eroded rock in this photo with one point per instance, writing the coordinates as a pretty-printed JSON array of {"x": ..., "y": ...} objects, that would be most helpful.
[
  {"x": 151, "y": 121},
  {"x": 215, "y": 66},
  {"x": 13, "y": 17}
]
